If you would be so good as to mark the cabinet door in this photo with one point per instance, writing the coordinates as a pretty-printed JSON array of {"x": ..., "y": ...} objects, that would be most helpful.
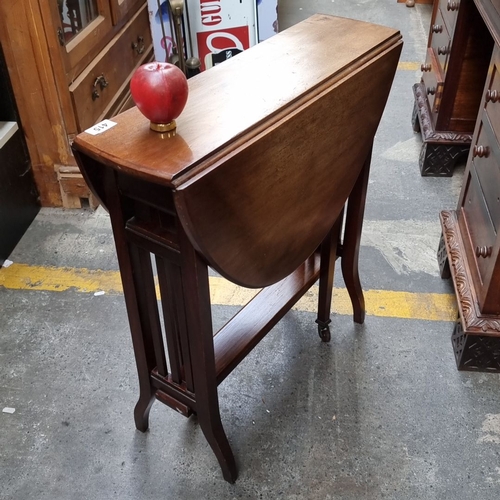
[
  {"x": 81, "y": 28},
  {"x": 121, "y": 8}
]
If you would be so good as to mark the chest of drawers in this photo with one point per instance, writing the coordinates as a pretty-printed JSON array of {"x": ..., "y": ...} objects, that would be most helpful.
[
  {"x": 453, "y": 74},
  {"x": 470, "y": 248}
]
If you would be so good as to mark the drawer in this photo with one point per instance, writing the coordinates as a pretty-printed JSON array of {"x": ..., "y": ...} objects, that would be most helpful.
[
  {"x": 449, "y": 11},
  {"x": 440, "y": 41},
  {"x": 492, "y": 94},
  {"x": 103, "y": 81},
  {"x": 432, "y": 78},
  {"x": 485, "y": 156},
  {"x": 481, "y": 233}
]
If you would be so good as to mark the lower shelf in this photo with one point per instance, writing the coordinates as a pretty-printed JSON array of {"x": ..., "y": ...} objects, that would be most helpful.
[{"x": 247, "y": 328}]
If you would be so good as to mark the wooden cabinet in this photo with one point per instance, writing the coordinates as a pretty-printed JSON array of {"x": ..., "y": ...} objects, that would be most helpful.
[
  {"x": 470, "y": 247},
  {"x": 81, "y": 29},
  {"x": 479, "y": 209},
  {"x": 18, "y": 194},
  {"x": 120, "y": 8},
  {"x": 448, "y": 95},
  {"x": 70, "y": 63},
  {"x": 95, "y": 90}
]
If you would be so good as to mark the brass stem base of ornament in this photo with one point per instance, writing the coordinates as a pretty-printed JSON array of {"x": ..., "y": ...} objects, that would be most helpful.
[{"x": 163, "y": 127}]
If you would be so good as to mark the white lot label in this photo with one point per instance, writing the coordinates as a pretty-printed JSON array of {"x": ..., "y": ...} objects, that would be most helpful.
[{"x": 100, "y": 127}]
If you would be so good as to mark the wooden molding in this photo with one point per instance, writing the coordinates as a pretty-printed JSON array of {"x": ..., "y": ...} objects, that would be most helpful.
[
  {"x": 74, "y": 189},
  {"x": 473, "y": 322},
  {"x": 426, "y": 127}
]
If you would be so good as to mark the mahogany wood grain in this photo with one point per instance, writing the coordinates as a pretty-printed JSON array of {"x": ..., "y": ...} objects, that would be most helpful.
[
  {"x": 238, "y": 212},
  {"x": 227, "y": 106},
  {"x": 256, "y": 233},
  {"x": 196, "y": 289},
  {"x": 141, "y": 337},
  {"x": 253, "y": 183},
  {"x": 352, "y": 241}
]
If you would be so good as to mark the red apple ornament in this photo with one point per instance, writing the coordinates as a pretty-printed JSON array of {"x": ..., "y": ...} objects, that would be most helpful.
[{"x": 160, "y": 91}]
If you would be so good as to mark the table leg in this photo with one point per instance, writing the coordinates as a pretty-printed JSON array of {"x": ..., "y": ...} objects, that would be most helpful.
[
  {"x": 195, "y": 286},
  {"x": 328, "y": 252},
  {"x": 141, "y": 337},
  {"x": 352, "y": 239}
]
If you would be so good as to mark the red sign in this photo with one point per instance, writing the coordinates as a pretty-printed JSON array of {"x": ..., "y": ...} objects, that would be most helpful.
[{"x": 215, "y": 47}]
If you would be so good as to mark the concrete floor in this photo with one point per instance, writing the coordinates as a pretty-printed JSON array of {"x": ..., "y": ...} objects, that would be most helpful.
[{"x": 380, "y": 412}]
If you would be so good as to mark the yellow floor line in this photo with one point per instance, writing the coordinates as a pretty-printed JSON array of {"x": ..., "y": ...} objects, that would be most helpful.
[
  {"x": 383, "y": 303},
  {"x": 409, "y": 66}
]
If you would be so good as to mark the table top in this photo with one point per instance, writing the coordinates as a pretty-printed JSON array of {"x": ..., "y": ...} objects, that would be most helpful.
[
  {"x": 269, "y": 146},
  {"x": 230, "y": 102}
]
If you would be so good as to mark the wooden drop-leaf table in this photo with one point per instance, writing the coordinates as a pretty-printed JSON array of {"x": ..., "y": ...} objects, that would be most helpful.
[{"x": 270, "y": 149}]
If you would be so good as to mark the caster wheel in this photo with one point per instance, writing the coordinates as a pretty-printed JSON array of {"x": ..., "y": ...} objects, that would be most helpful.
[{"x": 324, "y": 333}]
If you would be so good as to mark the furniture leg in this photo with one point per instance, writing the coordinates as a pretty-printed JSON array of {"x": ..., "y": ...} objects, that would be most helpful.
[
  {"x": 194, "y": 274},
  {"x": 352, "y": 239},
  {"x": 328, "y": 251},
  {"x": 141, "y": 337},
  {"x": 474, "y": 352},
  {"x": 439, "y": 160}
]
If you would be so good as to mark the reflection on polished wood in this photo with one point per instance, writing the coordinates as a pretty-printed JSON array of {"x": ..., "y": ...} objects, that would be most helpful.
[{"x": 272, "y": 148}]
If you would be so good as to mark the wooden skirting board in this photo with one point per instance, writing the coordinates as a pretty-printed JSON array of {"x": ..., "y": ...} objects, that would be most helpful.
[{"x": 74, "y": 190}]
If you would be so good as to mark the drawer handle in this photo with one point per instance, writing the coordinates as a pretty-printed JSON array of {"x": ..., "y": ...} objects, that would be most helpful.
[
  {"x": 425, "y": 67},
  {"x": 431, "y": 90},
  {"x": 452, "y": 5},
  {"x": 480, "y": 151},
  {"x": 437, "y": 28},
  {"x": 442, "y": 51},
  {"x": 139, "y": 46},
  {"x": 483, "y": 251},
  {"x": 102, "y": 83},
  {"x": 492, "y": 96}
]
